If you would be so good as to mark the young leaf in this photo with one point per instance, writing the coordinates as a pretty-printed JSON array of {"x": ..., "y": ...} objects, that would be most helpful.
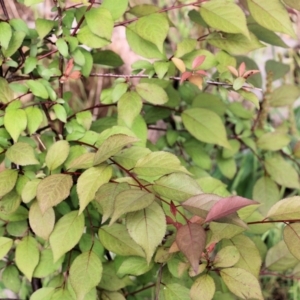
[
  {"x": 190, "y": 239},
  {"x": 90, "y": 181},
  {"x": 15, "y": 122},
  {"x": 5, "y": 245},
  {"x": 152, "y": 93},
  {"x": 203, "y": 288},
  {"x": 21, "y": 154},
  {"x": 241, "y": 283},
  {"x": 206, "y": 126},
  {"x": 66, "y": 234},
  {"x": 147, "y": 228},
  {"x": 130, "y": 201},
  {"x": 8, "y": 179},
  {"x": 227, "y": 206},
  {"x": 291, "y": 235},
  {"x": 52, "y": 190},
  {"x": 27, "y": 256},
  {"x": 111, "y": 146},
  {"x": 41, "y": 224},
  {"x": 85, "y": 273},
  {"x": 286, "y": 209},
  {"x": 116, "y": 239},
  {"x": 6, "y": 93},
  {"x": 57, "y": 154}
]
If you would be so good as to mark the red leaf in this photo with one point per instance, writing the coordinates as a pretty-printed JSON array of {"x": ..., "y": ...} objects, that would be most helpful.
[
  {"x": 185, "y": 76},
  {"x": 198, "y": 61},
  {"x": 242, "y": 69},
  {"x": 173, "y": 208},
  {"x": 250, "y": 73},
  {"x": 69, "y": 67},
  {"x": 190, "y": 239},
  {"x": 201, "y": 72},
  {"x": 227, "y": 206},
  {"x": 75, "y": 75}
]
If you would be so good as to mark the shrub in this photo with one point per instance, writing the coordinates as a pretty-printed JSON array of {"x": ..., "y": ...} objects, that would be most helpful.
[{"x": 93, "y": 207}]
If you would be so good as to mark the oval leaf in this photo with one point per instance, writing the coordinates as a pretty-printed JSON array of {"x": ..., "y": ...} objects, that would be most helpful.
[
  {"x": 152, "y": 93},
  {"x": 21, "y": 154},
  {"x": 57, "y": 154}
]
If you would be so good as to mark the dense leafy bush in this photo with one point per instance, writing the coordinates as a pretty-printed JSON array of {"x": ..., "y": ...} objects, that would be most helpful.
[{"x": 93, "y": 206}]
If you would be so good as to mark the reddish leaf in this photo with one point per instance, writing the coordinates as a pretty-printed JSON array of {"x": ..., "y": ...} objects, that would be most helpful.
[
  {"x": 190, "y": 239},
  {"x": 185, "y": 76},
  {"x": 198, "y": 61},
  {"x": 250, "y": 73},
  {"x": 233, "y": 71},
  {"x": 69, "y": 67},
  {"x": 75, "y": 75},
  {"x": 227, "y": 206},
  {"x": 173, "y": 208},
  {"x": 196, "y": 80},
  {"x": 201, "y": 72},
  {"x": 242, "y": 69}
]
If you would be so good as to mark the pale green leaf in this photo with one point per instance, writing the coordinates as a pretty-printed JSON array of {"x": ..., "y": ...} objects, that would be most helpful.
[
  {"x": 134, "y": 266},
  {"x": 34, "y": 118},
  {"x": 227, "y": 166},
  {"x": 177, "y": 186},
  {"x": 5, "y": 246},
  {"x": 147, "y": 227},
  {"x": 57, "y": 154},
  {"x": 66, "y": 234},
  {"x": 10, "y": 278},
  {"x": 14, "y": 44},
  {"x": 41, "y": 224},
  {"x": 224, "y": 16},
  {"x": 203, "y": 288},
  {"x": 271, "y": 15},
  {"x": 37, "y": 88},
  {"x": 62, "y": 47},
  {"x": 21, "y": 154},
  {"x": 60, "y": 112},
  {"x": 88, "y": 38},
  {"x": 29, "y": 190},
  {"x": 226, "y": 257},
  {"x": 175, "y": 291},
  {"x": 8, "y": 179},
  {"x": 284, "y": 95},
  {"x": 291, "y": 236},
  {"x": 111, "y": 146},
  {"x": 161, "y": 68},
  {"x": 15, "y": 122},
  {"x": 130, "y": 201},
  {"x": 153, "y": 28},
  {"x": 206, "y": 126},
  {"x": 5, "y": 34},
  {"x": 52, "y": 190},
  {"x": 116, "y": 7},
  {"x": 116, "y": 239},
  {"x": 273, "y": 141},
  {"x": 44, "y": 293},
  {"x": 293, "y": 3},
  {"x": 282, "y": 172},
  {"x": 43, "y": 27},
  {"x": 85, "y": 273},
  {"x": 285, "y": 209},
  {"x": 90, "y": 181},
  {"x": 83, "y": 161},
  {"x": 6, "y": 93},
  {"x": 242, "y": 283},
  {"x": 27, "y": 256},
  {"x": 152, "y": 93},
  {"x": 32, "y": 2}
]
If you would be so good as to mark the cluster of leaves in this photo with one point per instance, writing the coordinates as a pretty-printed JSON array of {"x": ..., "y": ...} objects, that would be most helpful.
[{"x": 92, "y": 209}]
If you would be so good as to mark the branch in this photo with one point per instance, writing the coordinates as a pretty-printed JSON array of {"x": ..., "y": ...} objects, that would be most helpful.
[{"x": 273, "y": 221}]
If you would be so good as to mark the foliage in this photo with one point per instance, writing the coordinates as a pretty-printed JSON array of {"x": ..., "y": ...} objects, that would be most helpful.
[{"x": 93, "y": 207}]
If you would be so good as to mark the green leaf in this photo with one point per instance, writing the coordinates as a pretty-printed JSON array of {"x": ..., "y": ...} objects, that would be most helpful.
[
  {"x": 134, "y": 266},
  {"x": 130, "y": 201},
  {"x": 266, "y": 192},
  {"x": 8, "y": 179},
  {"x": 107, "y": 58},
  {"x": 15, "y": 122},
  {"x": 235, "y": 44},
  {"x": 29, "y": 190},
  {"x": 60, "y": 112},
  {"x": 30, "y": 64},
  {"x": 224, "y": 16},
  {"x": 117, "y": 8},
  {"x": 116, "y": 239},
  {"x": 175, "y": 291},
  {"x": 90, "y": 181},
  {"x": 27, "y": 256},
  {"x": 129, "y": 107},
  {"x": 152, "y": 93},
  {"x": 106, "y": 195},
  {"x": 226, "y": 257},
  {"x": 153, "y": 28},
  {"x": 21, "y": 154},
  {"x": 291, "y": 235},
  {"x": 11, "y": 278},
  {"x": 161, "y": 68},
  {"x": 66, "y": 234},
  {"x": 5, "y": 246},
  {"x": 241, "y": 283},
  {"x": 282, "y": 172},
  {"x": 277, "y": 68},
  {"x": 37, "y": 88},
  {"x": 203, "y": 288},
  {"x": 88, "y": 38},
  {"x": 34, "y": 118},
  {"x": 52, "y": 190},
  {"x": 43, "y": 26},
  {"x": 185, "y": 46},
  {"x": 284, "y": 95},
  {"x": 41, "y": 224},
  {"x": 147, "y": 228},
  {"x": 5, "y": 34},
  {"x": 227, "y": 166},
  {"x": 206, "y": 126},
  {"x": 238, "y": 83},
  {"x": 112, "y": 146},
  {"x": 292, "y": 3},
  {"x": 57, "y": 154},
  {"x": 44, "y": 293},
  {"x": 62, "y": 47},
  {"x": 6, "y": 93},
  {"x": 158, "y": 164},
  {"x": 177, "y": 186},
  {"x": 271, "y": 15},
  {"x": 273, "y": 141},
  {"x": 85, "y": 273},
  {"x": 32, "y": 2},
  {"x": 92, "y": 18},
  {"x": 83, "y": 161},
  {"x": 14, "y": 44},
  {"x": 285, "y": 209}
]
